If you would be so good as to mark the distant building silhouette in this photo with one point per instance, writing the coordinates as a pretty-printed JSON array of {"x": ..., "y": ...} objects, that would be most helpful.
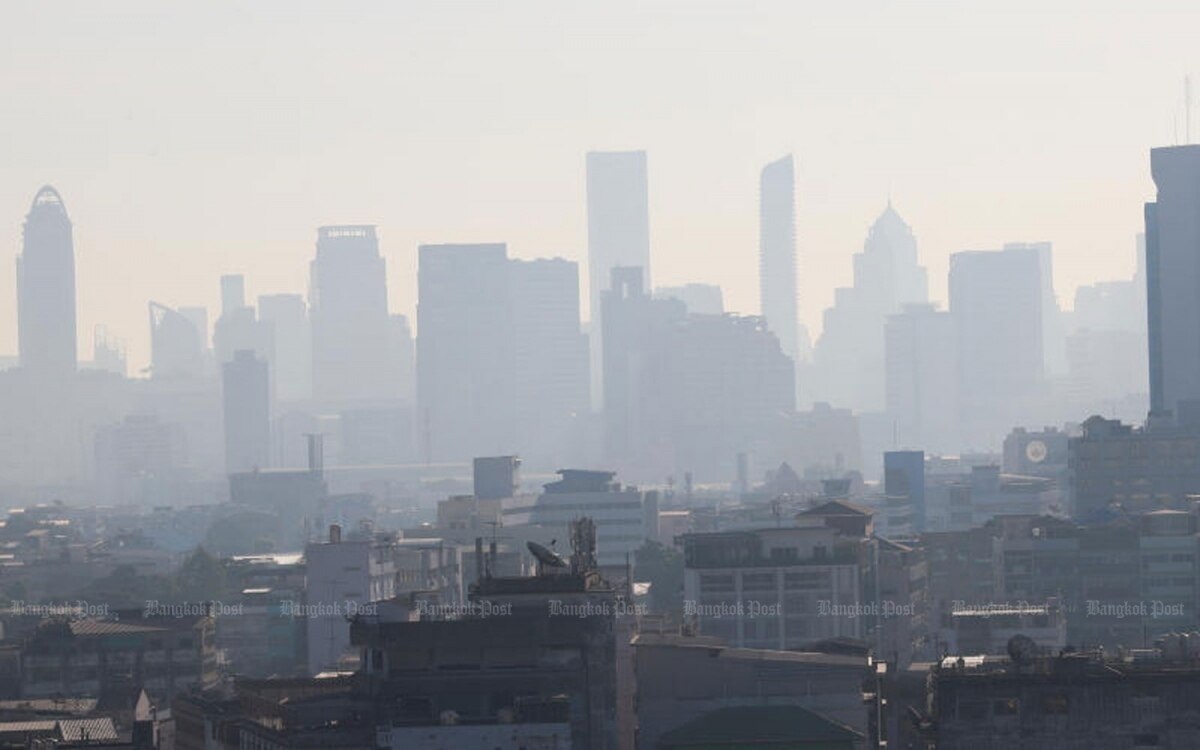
[
  {"x": 1173, "y": 278},
  {"x": 46, "y": 289},
  {"x": 465, "y": 355},
  {"x": 245, "y": 395},
  {"x": 618, "y": 234},
  {"x": 703, "y": 299},
  {"x": 349, "y": 312},
  {"x": 849, "y": 356},
  {"x": 551, "y": 358},
  {"x": 403, "y": 348},
  {"x": 686, "y": 392},
  {"x": 176, "y": 346},
  {"x": 238, "y": 326},
  {"x": 996, "y": 300},
  {"x": 777, "y": 253},
  {"x": 921, "y": 367},
  {"x": 286, "y": 318}
]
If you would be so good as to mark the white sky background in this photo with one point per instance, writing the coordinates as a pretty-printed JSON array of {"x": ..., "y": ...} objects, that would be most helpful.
[{"x": 214, "y": 139}]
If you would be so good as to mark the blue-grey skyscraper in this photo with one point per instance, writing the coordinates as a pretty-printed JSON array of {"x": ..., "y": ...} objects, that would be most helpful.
[
  {"x": 1173, "y": 279},
  {"x": 465, "y": 355},
  {"x": 618, "y": 234},
  {"x": 349, "y": 314},
  {"x": 777, "y": 252},
  {"x": 46, "y": 289}
]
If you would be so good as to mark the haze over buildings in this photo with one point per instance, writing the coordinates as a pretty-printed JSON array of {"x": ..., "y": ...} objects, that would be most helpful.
[{"x": 477, "y": 471}]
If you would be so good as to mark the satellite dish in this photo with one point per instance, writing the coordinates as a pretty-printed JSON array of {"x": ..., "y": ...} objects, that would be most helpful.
[{"x": 546, "y": 556}]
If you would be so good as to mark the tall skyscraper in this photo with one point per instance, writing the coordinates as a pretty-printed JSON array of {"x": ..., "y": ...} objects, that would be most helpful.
[
  {"x": 849, "y": 357},
  {"x": 465, "y": 354},
  {"x": 1173, "y": 279},
  {"x": 996, "y": 300},
  {"x": 286, "y": 318},
  {"x": 246, "y": 401},
  {"x": 618, "y": 234},
  {"x": 551, "y": 358},
  {"x": 349, "y": 313},
  {"x": 777, "y": 253},
  {"x": 176, "y": 344},
  {"x": 46, "y": 289},
  {"x": 238, "y": 327},
  {"x": 921, "y": 365}
]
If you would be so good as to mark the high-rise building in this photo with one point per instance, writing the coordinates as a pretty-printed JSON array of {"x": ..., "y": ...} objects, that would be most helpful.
[
  {"x": 465, "y": 354},
  {"x": 404, "y": 363},
  {"x": 349, "y": 313},
  {"x": 286, "y": 317},
  {"x": 618, "y": 234},
  {"x": 245, "y": 395},
  {"x": 1054, "y": 353},
  {"x": 238, "y": 327},
  {"x": 46, "y": 289},
  {"x": 1173, "y": 278},
  {"x": 904, "y": 482},
  {"x": 996, "y": 300},
  {"x": 777, "y": 252},
  {"x": 176, "y": 346},
  {"x": 686, "y": 392},
  {"x": 921, "y": 367},
  {"x": 635, "y": 364},
  {"x": 551, "y": 356},
  {"x": 849, "y": 357}
]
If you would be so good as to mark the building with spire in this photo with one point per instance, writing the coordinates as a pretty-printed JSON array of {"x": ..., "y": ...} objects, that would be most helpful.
[{"x": 849, "y": 357}]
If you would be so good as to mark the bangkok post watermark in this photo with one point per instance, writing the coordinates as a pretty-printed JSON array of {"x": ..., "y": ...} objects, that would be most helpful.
[
  {"x": 75, "y": 609},
  {"x": 479, "y": 608},
  {"x": 740, "y": 608},
  {"x": 180, "y": 610},
  {"x": 853, "y": 610},
  {"x": 598, "y": 608},
  {"x": 315, "y": 610},
  {"x": 1152, "y": 609}
]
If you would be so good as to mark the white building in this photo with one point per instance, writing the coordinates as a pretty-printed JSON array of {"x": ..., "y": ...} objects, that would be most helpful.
[
  {"x": 782, "y": 588},
  {"x": 625, "y": 516},
  {"x": 343, "y": 578}
]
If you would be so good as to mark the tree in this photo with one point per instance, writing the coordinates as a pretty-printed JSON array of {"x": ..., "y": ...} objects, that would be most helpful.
[
  {"x": 662, "y": 566},
  {"x": 200, "y": 578}
]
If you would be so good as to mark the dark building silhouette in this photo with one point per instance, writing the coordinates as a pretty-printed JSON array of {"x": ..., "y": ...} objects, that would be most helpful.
[
  {"x": 1173, "y": 277},
  {"x": 245, "y": 395},
  {"x": 46, "y": 288}
]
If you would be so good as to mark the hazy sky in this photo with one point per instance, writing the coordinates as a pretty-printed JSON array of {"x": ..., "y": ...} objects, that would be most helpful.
[{"x": 191, "y": 143}]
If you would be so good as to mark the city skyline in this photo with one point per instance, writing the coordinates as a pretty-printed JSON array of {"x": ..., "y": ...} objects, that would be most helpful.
[{"x": 136, "y": 242}]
